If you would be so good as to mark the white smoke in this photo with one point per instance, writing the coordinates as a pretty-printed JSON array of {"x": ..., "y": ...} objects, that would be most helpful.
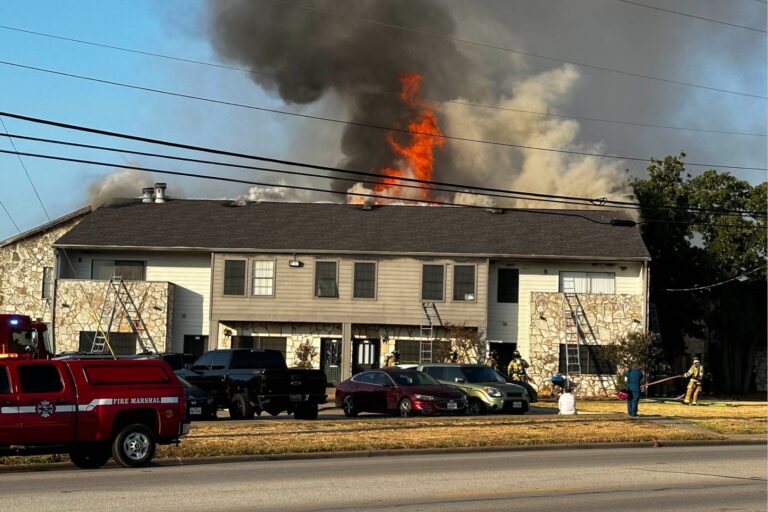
[
  {"x": 122, "y": 184},
  {"x": 513, "y": 168}
]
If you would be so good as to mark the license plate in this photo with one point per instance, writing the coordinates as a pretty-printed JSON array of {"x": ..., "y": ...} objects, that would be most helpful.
[
  {"x": 295, "y": 398},
  {"x": 517, "y": 405},
  {"x": 452, "y": 405},
  {"x": 195, "y": 411}
]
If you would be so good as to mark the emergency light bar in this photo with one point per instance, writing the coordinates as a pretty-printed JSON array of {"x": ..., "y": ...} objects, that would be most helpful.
[
  {"x": 13, "y": 321},
  {"x": 11, "y": 355}
]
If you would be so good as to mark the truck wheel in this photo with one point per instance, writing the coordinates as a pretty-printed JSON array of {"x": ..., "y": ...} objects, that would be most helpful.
[
  {"x": 134, "y": 446},
  {"x": 348, "y": 406},
  {"x": 89, "y": 456},
  {"x": 475, "y": 407},
  {"x": 306, "y": 412},
  {"x": 240, "y": 408}
]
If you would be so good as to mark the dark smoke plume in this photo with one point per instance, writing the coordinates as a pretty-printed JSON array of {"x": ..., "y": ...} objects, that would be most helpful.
[{"x": 303, "y": 54}]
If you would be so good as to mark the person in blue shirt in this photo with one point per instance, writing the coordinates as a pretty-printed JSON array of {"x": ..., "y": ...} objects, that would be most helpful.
[{"x": 632, "y": 378}]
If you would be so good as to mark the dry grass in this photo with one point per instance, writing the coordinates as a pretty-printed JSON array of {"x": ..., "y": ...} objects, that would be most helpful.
[
  {"x": 674, "y": 409},
  {"x": 290, "y": 436},
  {"x": 731, "y": 426}
]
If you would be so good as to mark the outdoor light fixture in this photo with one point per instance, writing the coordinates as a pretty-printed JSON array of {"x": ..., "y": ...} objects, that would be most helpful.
[{"x": 295, "y": 263}]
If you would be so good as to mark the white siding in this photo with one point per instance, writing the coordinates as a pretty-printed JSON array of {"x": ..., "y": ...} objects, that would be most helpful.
[
  {"x": 511, "y": 322},
  {"x": 189, "y": 272}
]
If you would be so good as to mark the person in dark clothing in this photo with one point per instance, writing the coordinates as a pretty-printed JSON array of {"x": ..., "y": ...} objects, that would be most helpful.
[{"x": 632, "y": 379}]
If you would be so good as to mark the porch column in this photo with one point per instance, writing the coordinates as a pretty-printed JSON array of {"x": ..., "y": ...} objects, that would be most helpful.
[{"x": 346, "y": 350}]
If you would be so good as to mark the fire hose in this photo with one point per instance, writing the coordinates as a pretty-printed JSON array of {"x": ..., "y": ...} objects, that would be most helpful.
[{"x": 645, "y": 386}]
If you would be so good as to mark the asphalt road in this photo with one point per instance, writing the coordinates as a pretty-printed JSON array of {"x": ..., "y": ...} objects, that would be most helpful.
[{"x": 723, "y": 478}]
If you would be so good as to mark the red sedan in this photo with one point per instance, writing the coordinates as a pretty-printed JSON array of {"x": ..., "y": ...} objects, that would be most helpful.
[{"x": 398, "y": 391}]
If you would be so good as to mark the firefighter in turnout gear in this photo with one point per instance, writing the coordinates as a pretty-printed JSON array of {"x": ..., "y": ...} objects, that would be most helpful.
[
  {"x": 392, "y": 359},
  {"x": 696, "y": 375},
  {"x": 517, "y": 367}
]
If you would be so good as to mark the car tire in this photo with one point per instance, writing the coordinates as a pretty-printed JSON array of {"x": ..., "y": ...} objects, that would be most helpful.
[
  {"x": 134, "y": 446},
  {"x": 89, "y": 456},
  {"x": 348, "y": 406},
  {"x": 475, "y": 407},
  {"x": 405, "y": 408},
  {"x": 240, "y": 408},
  {"x": 306, "y": 412}
]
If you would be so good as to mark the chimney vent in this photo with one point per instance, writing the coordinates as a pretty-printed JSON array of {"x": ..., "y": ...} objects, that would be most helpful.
[
  {"x": 146, "y": 195},
  {"x": 160, "y": 192}
]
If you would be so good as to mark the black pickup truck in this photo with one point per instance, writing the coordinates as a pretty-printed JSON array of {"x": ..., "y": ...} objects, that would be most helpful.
[{"x": 249, "y": 381}]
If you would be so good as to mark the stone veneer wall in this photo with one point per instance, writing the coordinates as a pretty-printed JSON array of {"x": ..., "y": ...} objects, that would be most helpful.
[
  {"x": 79, "y": 303},
  {"x": 21, "y": 272},
  {"x": 609, "y": 316}
]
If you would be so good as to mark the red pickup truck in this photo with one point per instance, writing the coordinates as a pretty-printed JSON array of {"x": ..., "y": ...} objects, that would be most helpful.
[{"x": 90, "y": 408}]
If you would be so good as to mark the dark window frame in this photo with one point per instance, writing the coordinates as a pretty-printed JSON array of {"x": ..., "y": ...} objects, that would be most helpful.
[
  {"x": 424, "y": 282},
  {"x": 373, "y": 281},
  {"x": 456, "y": 296},
  {"x": 318, "y": 264},
  {"x": 591, "y": 359},
  {"x": 509, "y": 294},
  {"x": 233, "y": 279}
]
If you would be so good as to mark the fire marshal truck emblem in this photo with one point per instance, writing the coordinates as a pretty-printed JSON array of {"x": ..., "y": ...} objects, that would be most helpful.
[{"x": 45, "y": 408}]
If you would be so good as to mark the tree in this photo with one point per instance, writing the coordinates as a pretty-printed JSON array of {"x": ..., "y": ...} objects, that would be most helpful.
[
  {"x": 640, "y": 350},
  {"x": 692, "y": 248},
  {"x": 469, "y": 342}
]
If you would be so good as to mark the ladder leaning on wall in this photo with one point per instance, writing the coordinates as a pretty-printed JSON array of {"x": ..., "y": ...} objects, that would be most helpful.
[
  {"x": 572, "y": 316},
  {"x": 427, "y": 332},
  {"x": 118, "y": 298}
]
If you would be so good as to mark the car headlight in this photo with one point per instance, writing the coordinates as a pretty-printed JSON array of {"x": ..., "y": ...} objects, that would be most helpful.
[
  {"x": 495, "y": 393},
  {"x": 425, "y": 398}
]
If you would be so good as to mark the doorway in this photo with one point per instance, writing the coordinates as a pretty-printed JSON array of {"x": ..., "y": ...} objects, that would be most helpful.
[
  {"x": 195, "y": 344},
  {"x": 330, "y": 359},
  {"x": 505, "y": 351},
  {"x": 365, "y": 354}
]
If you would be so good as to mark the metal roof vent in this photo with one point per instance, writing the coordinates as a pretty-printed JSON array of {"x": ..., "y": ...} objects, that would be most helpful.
[
  {"x": 160, "y": 192},
  {"x": 367, "y": 204},
  {"x": 146, "y": 195}
]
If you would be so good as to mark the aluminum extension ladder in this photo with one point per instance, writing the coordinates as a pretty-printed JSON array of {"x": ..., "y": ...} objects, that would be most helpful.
[
  {"x": 427, "y": 332},
  {"x": 572, "y": 321},
  {"x": 121, "y": 300}
]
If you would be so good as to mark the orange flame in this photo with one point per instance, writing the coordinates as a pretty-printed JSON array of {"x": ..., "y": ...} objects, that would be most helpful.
[{"x": 417, "y": 157}]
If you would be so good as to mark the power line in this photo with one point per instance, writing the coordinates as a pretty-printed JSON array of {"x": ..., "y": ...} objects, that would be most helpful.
[
  {"x": 511, "y": 50},
  {"x": 430, "y": 100},
  {"x": 431, "y": 183},
  {"x": 742, "y": 277},
  {"x": 613, "y": 222},
  {"x": 11, "y": 218},
  {"x": 364, "y": 125},
  {"x": 646, "y": 6},
  {"x": 29, "y": 178}
]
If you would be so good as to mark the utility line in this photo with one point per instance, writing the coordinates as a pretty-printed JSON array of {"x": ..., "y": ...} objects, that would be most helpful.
[
  {"x": 593, "y": 201},
  {"x": 388, "y": 93},
  {"x": 612, "y": 222},
  {"x": 365, "y": 125},
  {"x": 511, "y": 50},
  {"x": 11, "y": 218},
  {"x": 29, "y": 178},
  {"x": 646, "y": 6},
  {"x": 741, "y": 277}
]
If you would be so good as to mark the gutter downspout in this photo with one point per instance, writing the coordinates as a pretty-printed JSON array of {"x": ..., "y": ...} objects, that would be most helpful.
[{"x": 54, "y": 292}]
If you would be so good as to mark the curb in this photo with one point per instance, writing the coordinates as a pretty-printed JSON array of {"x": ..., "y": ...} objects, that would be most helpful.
[{"x": 228, "y": 459}]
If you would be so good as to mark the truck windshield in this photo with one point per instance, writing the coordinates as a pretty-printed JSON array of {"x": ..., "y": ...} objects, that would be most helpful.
[
  {"x": 22, "y": 341},
  {"x": 481, "y": 374}
]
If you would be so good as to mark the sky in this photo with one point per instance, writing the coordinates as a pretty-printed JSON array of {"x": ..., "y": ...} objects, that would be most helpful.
[{"x": 600, "y": 33}]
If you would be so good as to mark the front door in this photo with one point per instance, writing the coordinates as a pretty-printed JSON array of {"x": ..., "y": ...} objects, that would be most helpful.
[
  {"x": 46, "y": 403},
  {"x": 330, "y": 359},
  {"x": 195, "y": 344},
  {"x": 9, "y": 411},
  {"x": 365, "y": 354}
]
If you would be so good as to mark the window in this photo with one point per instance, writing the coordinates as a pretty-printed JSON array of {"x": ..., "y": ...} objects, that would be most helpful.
[
  {"x": 234, "y": 277},
  {"x": 263, "y": 275},
  {"x": 126, "y": 269},
  {"x": 39, "y": 378},
  {"x": 325, "y": 279},
  {"x": 365, "y": 281},
  {"x": 591, "y": 358},
  {"x": 464, "y": 282},
  {"x": 432, "y": 279},
  {"x": 380, "y": 379},
  {"x": 409, "y": 350},
  {"x": 213, "y": 360},
  {"x": 508, "y": 285},
  {"x": 587, "y": 282},
  {"x": 47, "y": 275},
  {"x": 5, "y": 383},
  {"x": 122, "y": 343}
]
